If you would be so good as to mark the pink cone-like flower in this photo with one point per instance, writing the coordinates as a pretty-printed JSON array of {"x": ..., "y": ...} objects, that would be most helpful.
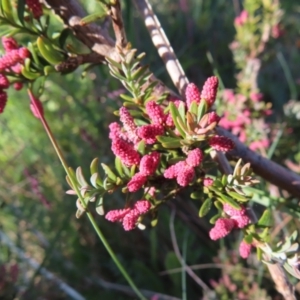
[
  {"x": 245, "y": 249},
  {"x": 129, "y": 216},
  {"x": 4, "y": 83},
  {"x": 256, "y": 97},
  {"x": 174, "y": 170},
  {"x": 10, "y": 59},
  {"x": 208, "y": 181},
  {"x": 17, "y": 68},
  {"x": 209, "y": 91},
  {"x": 18, "y": 86},
  {"x": 130, "y": 220},
  {"x": 136, "y": 182},
  {"x": 9, "y": 43},
  {"x": 185, "y": 176},
  {"x": 194, "y": 157},
  {"x": 149, "y": 132},
  {"x": 35, "y": 7},
  {"x": 36, "y": 106},
  {"x": 238, "y": 215},
  {"x": 142, "y": 206},
  {"x": 233, "y": 212},
  {"x": 155, "y": 113},
  {"x": 241, "y": 19},
  {"x": 241, "y": 221},
  {"x": 3, "y": 100},
  {"x": 114, "y": 130},
  {"x": 125, "y": 152},
  {"x": 192, "y": 93},
  {"x": 149, "y": 163},
  {"x": 222, "y": 228},
  {"x": 128, "y": 124},
  {"x": 23, "y": 52},
  {"x": 221, "y": 143},
  {"x": 117, "y": 214},
  {"x": 213, "y": 117},
  {"x": 151, "y": 191}
]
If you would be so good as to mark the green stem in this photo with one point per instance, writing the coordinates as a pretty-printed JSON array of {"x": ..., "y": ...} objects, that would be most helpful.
[{"x": 90, "y": 216}]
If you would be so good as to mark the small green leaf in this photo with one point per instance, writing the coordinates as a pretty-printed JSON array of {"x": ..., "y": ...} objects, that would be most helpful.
[
  {"x": 141, "y": 147},
  {"x": 229, "y": 201},
  {"x": 127, "y": 98},
  {"x": 93, "y": 17},
  {"x": 202, "y": 109},
  {"x": 80, "y": 177},
  {"x": 132, "y": 170},
  {"x": 259, "y": 253},
  {"x": 7, "y": 9},
  {"x": 99, "y": 206},
  {"x": 181, "y": 111},
  {"x": 139, "y": 72},
  {"x": 79, "y": 213},
  {"x": 214, "y": 219},
  {"x": 64, "y": 34},
  {"x": 194, "y": 108},
  {"x": 96, "y": 180},
  {"x": 237, "y": 196},
  {"x": 248, "y": 238},
  {"x": 218, "y": 205},
  {"x": 94, "y": 166},
  {"x": 196, "y": 195},
  {"x": 175, "y": 114},
  {"x": 111, "y": 175},
  {"x": 224, "y": 180},
  {"x": 118, "y": 165},
  {"x": 21, "y": 10},
  {"x": 113, "y": 63},
  {"x": 205, "y": 207},
  {"x": 266, "y": 220}
]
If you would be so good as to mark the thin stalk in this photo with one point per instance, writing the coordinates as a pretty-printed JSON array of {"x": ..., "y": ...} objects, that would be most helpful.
[{"x": 90, "y": 216}]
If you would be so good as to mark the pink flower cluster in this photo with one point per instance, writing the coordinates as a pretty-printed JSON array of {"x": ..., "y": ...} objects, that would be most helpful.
[
  {"x": 148, "y": 166},
  {"x": 35, "y": 7},
  {"x": 209, "y": 92},
  {"x": 245, "y": 249},
  {"x": 221, "y": 143},
  {"x": 184, "y": 171},
  {"x": 223, "y": 226},
  {"x": 12, "y": 60},
  {"x": 126, "y": 139},
  {"x": 241, "y": 19},
  {"x": 245, "y": 118},
  {"x": 14, "y": 57},
  {"x": 129, "y": 216}
]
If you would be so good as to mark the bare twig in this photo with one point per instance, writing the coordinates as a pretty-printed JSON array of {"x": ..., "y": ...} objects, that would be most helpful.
[
  {"x": 193, "y": 275},
  {"x": 118, "y": 26},
  {"x": 162, "y": 45},
  {"x": 93, "y": 36},
  {"x": 43, "y": 271},
  {"x": 267, "y": 169}
]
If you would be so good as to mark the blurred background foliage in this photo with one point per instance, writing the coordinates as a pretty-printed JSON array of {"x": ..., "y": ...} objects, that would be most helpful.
[{"x": 39, "y": 218}]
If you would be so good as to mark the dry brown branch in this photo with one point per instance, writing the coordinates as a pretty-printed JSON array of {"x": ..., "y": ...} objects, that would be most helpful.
[
  {"x": 267, "y": 169},
  {"x": 118, "y": 26},
  {"x": 162, "y": 45}
]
